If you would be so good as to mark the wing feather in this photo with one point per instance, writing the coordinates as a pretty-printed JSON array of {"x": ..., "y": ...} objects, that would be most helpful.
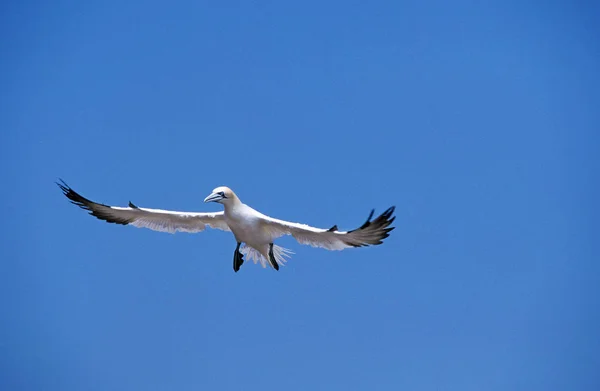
[
  {"x": 154, "y": 219},
  {"x": 370, "y": 233}
]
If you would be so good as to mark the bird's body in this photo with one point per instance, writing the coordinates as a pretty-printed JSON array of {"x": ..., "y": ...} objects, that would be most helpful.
[
  {"x": 245, "y": 224},
  {"x": 256, "y": 230}
]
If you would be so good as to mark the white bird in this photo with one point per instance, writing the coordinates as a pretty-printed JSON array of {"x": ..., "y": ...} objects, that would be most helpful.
[{"x": 256, "y": 230}]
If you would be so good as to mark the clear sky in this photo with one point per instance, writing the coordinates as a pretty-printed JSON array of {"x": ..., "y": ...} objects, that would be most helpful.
[{"x": 479, "y": 123}]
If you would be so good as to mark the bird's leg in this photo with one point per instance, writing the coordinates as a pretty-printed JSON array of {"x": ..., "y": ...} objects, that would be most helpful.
[
  {"x": 238, "y": 258},
  {"x": 272, "y": 257}
]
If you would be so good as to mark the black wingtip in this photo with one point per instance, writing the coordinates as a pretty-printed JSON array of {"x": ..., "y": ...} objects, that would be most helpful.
[
  {"x": 333, "y": 229},
  {"x": 94, "y": 208},
  {"x": 132, "y": 205},
  {"x": 74, "y": 197},
  {"x": 63, "y": 186},
  {"x": 379, "y": 228},
  {"x": 366, "y": 224}
]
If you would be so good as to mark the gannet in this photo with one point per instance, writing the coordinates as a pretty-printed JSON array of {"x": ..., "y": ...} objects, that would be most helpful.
[{"x": 255, "y": 230}]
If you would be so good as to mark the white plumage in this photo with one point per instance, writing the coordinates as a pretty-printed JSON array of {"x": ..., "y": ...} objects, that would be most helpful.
[{"x": 256, "y": 230}]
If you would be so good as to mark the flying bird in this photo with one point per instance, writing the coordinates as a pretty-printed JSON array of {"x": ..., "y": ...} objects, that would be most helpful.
[{"x": 255, "y": 230}]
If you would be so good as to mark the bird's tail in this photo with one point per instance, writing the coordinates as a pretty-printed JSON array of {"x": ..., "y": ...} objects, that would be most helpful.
[{"x": 280, "y": 254}]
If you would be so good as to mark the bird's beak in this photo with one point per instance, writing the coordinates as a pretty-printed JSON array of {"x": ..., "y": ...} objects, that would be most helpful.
[{"x": 214, "y": 197}]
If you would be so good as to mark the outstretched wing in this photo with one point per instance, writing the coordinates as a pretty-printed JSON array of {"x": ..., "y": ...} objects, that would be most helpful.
[
  {"x": 154, "y": 219},
  {"x": 370, "y": 233}
]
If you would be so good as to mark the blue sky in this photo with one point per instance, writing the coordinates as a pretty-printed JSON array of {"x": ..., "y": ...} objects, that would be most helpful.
[{"x": 479, "y": 122}]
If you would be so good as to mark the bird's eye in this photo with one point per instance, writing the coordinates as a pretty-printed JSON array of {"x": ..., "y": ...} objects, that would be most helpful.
[{"x": 222, "y": 194}]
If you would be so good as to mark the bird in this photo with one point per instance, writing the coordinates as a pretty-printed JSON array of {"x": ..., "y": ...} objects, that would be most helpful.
[{"x": 255, "y": 230}]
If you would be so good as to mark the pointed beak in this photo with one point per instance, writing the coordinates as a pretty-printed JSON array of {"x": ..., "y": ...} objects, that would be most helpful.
[{"x": 214, "y": 197}]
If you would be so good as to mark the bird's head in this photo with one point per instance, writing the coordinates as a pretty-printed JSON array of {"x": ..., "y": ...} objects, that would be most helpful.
[{"x": 222, "y": 195}]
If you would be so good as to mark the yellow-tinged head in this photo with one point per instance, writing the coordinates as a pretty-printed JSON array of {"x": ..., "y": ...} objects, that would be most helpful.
[{"x": 222, "y": 195}]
